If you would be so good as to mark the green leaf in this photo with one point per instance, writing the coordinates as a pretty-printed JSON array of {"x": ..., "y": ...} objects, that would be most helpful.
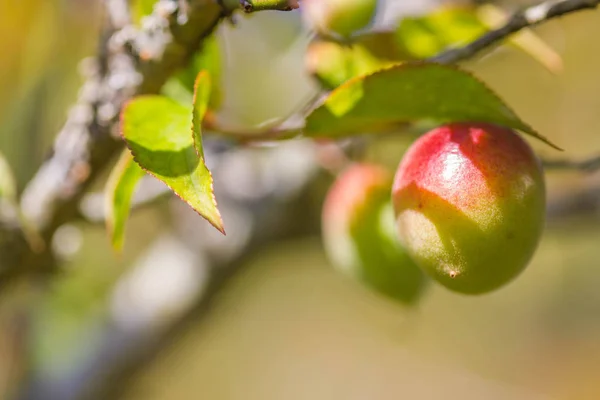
[
  {"x": 158, "y": 132},
  {"x": 175, "y": 89},
  {"x": 411, "y": 92},
  {"x": 209, "y": 59},
  {"x": 119, "y": 190},
  {"x": 456, "y": 25},
  {"x": 142, "y": 8},
  {"x": 334, "y": 63},
  {"x": 201, "y": 97},
  {"x": 427, "y": 35},
  {"x": 181, "y": 86}
]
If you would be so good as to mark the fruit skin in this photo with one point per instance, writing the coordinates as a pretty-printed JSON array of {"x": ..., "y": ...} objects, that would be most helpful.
[
  {"x": 359, "y": 234},
  {"x": 338, "y": 17},
  {"x": 469, "y": 200}
]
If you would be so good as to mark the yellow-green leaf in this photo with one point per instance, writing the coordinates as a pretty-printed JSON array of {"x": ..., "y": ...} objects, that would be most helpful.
[
  {"x": 411, "y": 92},
  {"x": 181, "y": 86},
  {"x": 334, "y": 63},
  {"x": 142, "y": 8},
  {"x": 427, "y": 35},
  {"x": 119, "y": 190},
  {"x": 200, "y": 104},
  {"x": 158, "y": 131}
]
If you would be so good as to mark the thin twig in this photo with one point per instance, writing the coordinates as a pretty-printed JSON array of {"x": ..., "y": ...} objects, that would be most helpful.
[
  {"x": 75, "y": 163},
  {"x": 271, "y": 133},
  {"x": 523, "y": 19},
  {"x": 591, "y": 164}
]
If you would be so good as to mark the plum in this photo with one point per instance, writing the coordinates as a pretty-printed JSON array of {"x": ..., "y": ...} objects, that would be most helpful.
[
  {"x": 360, "y": 237},
  {"x": 338, "y": 17},
  {"x": 469, "y": 200}
]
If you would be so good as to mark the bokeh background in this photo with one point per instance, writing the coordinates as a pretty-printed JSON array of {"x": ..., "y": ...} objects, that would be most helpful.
[{"x": 287, "y": 326}]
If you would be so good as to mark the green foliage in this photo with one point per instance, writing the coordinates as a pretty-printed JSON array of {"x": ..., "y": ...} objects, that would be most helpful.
[
  {"x": 118, "y": 192},
  {"x": 181, "y": 86},
  {"x": 334, "y": 63},
  {"x": 408, "y": 93},
  {"x": 142, "y": 8},
  {"x": 425, "y": 36},
  {"x": 202, "y": 90},
  {"x": 160, "y": 135}
]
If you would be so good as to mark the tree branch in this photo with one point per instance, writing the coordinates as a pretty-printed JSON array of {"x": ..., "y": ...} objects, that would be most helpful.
[
  {"x": 526, "y": 18},
  {"x": 134, "y": 61},
  {"x": 523, "y": 19},
  {"x": 129, "y": 62},
  {"x": 591, "y": 164}
]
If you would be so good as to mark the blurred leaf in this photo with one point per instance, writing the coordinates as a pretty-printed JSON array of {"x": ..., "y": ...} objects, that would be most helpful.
[
  {"x": 381, "y": 45},
  {"x": 426, "y": 36},
  {"x": 180, "y": 87},
  {"x": 456, "y": 25},
  {"x": 418, "y": 39},
  {"x": 201, "y": 96},
  {"x": 8, "y": 186},
  {"x": 142, "y": 8},
  {"x": 119, "y": 190},
  {"x": 525, "y": 40},
  {"x": 158, "y": 133},
  {"x": 328, "y": 63},
  {"x": 175, "y": 89},
  {"x": 209, "y": 59},
  {"x": 410, "y": 93},
  {"x": 334, "y": 63}
]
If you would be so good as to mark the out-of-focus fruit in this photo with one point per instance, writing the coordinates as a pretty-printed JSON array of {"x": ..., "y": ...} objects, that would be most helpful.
[
  {"x": 338, "y": 17},
  {"x": 359, "y": 234}
]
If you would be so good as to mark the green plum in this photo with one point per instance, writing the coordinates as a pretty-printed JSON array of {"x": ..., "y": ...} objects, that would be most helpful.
[
  {"x": 338, "y": 17},
  {"x": 360, "y": 238}
]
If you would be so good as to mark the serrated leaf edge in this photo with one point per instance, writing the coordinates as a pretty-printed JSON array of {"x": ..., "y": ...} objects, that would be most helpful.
[
  {"x": 418, "y": 64},
  {"x": 218, "y": 225},
  {"x": 204, "y": 74}
]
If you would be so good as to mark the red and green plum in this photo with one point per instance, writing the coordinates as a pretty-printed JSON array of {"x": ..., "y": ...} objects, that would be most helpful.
[{"x": 469, "y": 201}]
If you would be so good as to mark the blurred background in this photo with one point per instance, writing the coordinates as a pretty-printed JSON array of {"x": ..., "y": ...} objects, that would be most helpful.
[{"x": 287, "y": 326}]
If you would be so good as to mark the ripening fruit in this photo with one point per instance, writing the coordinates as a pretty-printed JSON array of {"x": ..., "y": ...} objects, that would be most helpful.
[
  {"x": 360, "y": 237},
  {"x": 338, "y": 17},
  {"x": 469, "y": 200}
]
